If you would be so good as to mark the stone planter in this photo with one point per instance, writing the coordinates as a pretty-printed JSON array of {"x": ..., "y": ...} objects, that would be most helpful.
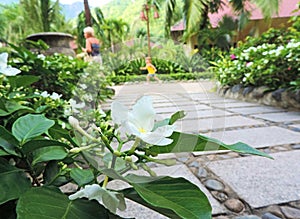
[
  {"x": 279, "y": 98},
  {"x": 58, "y": 42}
]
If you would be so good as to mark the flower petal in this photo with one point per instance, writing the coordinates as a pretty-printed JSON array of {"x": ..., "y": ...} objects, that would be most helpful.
[
  {"x": 142, "y": 114},
  {"x": 166, "y": 130},
  {"x": 3, "y": 60},
  {"x": 89, "y": 191},
  {"x": 155, "y": 139},
  {"x": 9, "y": 71},
  {"x": 119, "y": 112}
]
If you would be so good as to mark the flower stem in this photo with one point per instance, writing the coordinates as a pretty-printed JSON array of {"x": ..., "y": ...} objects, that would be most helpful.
[
  {"x": 105, "y": 182},
  {"x": 134, "y": 146}
]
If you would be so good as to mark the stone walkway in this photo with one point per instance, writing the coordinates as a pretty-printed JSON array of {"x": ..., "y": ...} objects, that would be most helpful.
[{"x": 238, "y": 186}]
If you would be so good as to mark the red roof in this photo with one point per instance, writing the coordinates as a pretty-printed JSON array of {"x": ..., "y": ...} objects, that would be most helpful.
[{"x": 286, "y": 9}]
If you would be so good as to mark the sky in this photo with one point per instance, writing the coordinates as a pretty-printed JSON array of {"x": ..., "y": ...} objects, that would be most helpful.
[{"x": 93, "y": 3}]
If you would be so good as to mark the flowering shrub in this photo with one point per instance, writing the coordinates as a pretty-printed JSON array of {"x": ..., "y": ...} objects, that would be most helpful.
[
  {"x": 270, "y": 60},
  {"x": 57, "y": 73},
  {"x": 268, "y": 64}
]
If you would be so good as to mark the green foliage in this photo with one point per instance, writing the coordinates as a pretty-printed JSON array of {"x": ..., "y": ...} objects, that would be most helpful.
[
  {"x": 39, "y": 154},
  {"x": 271, "y": 60},
  {"x": 58, "y": 73},
  {"x": 120, "y": 79}
]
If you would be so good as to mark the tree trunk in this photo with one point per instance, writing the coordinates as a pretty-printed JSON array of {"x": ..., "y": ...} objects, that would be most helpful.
[
  {"x": 87, "y": 11},
  {"x": 45, "y": 14}
]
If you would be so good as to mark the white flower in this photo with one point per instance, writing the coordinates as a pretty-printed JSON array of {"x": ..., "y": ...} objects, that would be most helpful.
[
  {"x": 140, "y": 122},
  {"x": 41, "y": 56},
  {"x": 45, "y": 94},
  {"x": 6, "y": 69},
  {"x": 55, "y": 96},
  {"x": 76, "y": 105}
]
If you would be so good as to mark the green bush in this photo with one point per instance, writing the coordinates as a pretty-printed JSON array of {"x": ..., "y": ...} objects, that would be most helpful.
[
  {"x": 120, "y": 79},
  {"x": 271, "y": 60},
  {"x": 58, "y": 73}
]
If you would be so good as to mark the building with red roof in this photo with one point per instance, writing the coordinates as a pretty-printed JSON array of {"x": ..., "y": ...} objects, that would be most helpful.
[{"x": 257, "y": 24}]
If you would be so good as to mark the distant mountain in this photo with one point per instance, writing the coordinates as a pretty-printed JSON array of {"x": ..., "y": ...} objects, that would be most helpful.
[
  {"x": 71, "y": 11},
  {"x": 7, "y": 2}
]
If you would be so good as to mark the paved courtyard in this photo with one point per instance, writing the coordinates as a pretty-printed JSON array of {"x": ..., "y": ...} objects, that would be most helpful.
[{"x": 238, "y": 186}]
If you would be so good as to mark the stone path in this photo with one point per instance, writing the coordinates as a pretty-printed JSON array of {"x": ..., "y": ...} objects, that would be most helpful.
[{"x": 238, "y": 186}]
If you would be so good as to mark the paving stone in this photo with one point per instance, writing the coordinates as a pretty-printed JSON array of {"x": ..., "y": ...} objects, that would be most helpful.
[
  {"x": 234, "y": 205},
  {"x": 213, "y": 184},
  {"x": 280, "y": 117},
  {"x": 269, "y": 216},
  {"x": 187, "y": 108},
  {"x": 205, "y": 124},
  {"x": 221, "y": 196},
  {"x": 247, "y": 217},
  {"x": 187, "y": 104},
  {"x": 290, "y": 213},
  {"x": 233, "y": 105},
  {"x": 134, "y": 210},
  {"x": 274, "y": 210},
  {"x": 209, "y": 113},
  {"x": 258, "y": 137},
  {"x": 202, "y": 173},
  {"x": 218, "y": 100},
  {"x": 262, "y": 181},
  {"x": 204, "y": 97},
  {"x": 296, "y": 147},
  {"x": 255, "y": 110},
  {"x": 296, "y": 126}
]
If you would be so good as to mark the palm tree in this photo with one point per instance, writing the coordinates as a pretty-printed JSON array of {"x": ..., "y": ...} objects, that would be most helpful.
[
  {"x": 115, "y": 31},
  {"x": 87, "y": 11},
  {"x": 48, "y": 13}
]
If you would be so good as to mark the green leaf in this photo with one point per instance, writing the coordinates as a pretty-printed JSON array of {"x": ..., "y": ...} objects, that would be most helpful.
[
  {"x": 57, "y": 132},
  {"x": 183, "y": 142},
  {"x": 3, "y": 153},
  {"x": 11, "y": 107},
  {"x": 23, "y": 80},
  {"x": 7, "y": 141},
  {"x": 176, "y": 116},
  {"x": 82, "y": 177},
  {"x": 112, "y": 200},
  {"x": 30, "y": 126},
  {"x": 13, "y": 182},
  {"x": 175, "y": 194},
  {"x": 49, "y": 153},
  {"x": 39, "y": 202},
  {"x": 134, "y": 196},
  {"x": 268, "y": 7},
  {"x": 161, "y": 123},
  {"x": 120, "y": 164},
  {"x": 53, "y": 175},
  {"x": 36, "y": 144},
  {"x": 169, "y": 121}
]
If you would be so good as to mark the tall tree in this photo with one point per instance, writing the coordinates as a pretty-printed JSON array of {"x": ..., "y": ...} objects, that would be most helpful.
[
  {"x": 49, "y": 12},
  {"x": 87, "y": 12}
]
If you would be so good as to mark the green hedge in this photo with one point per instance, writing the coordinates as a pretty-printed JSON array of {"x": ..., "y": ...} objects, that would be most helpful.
[{"x": 119, "y": 79}]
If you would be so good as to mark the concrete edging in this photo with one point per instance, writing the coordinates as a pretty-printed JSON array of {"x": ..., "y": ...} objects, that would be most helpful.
[{"x": 279, "y": 98}]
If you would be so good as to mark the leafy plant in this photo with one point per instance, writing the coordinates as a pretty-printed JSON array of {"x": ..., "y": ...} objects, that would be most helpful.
[
  {"x": 271, "y": 60},
  {"x": 57, "y": 73},
  {"x": 39, "y": 156}
]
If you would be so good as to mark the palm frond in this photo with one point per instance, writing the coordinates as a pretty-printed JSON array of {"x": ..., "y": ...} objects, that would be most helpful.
[{"x": 268, "y": 7}]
